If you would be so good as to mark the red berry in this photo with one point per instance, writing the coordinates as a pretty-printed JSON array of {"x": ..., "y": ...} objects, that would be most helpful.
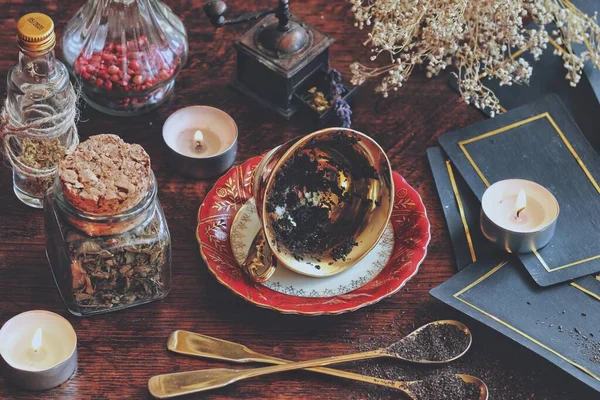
[
  {"x": 108, "y": 56},
  {"x": 135, "y": 65},
  {"x": 138, "y": 79}
]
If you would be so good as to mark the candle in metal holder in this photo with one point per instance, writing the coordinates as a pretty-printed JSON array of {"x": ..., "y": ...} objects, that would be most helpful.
[
  {"x": 39, "y": 349},
  {"x": 519, "y": 216},
  {"x": 201, "y": 141}
]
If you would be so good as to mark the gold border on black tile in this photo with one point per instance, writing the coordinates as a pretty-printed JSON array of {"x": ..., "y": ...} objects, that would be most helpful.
[
  {"x": 509, "y": 326},
  {"x": 546, "y": 115},
  {"x": 468, "y": 231},
  {"x": 461, "y": 210},
  {"x": 586, "y": 291}
]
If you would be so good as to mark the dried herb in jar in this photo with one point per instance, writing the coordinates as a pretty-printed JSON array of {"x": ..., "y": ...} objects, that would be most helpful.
[{"x": 116, "y": 274}]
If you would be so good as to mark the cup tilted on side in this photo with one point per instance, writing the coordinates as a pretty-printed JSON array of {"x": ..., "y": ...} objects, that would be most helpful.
[{"x": 323, "y": 200}]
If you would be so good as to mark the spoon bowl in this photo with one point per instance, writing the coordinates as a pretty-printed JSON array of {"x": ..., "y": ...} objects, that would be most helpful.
[
  {"x": 481, "y": 387},
  {"x": 395, "y": 349}
]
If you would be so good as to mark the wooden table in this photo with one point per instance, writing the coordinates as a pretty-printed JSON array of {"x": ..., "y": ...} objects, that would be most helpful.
[{"x": 119, "y": 351}]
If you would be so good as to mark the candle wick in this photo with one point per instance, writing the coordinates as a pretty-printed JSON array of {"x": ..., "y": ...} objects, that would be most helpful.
[
  {"x": 521, "y": 202},
  {"x": 198, "y": 139},
  {"x": 36, "y": 342}
]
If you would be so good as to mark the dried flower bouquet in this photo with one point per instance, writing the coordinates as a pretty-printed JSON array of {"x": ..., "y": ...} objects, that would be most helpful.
[{"x": 478, "y": 37}]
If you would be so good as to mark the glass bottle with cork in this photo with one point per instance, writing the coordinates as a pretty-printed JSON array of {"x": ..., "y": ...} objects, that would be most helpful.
[{"x": 38, "y": 118}]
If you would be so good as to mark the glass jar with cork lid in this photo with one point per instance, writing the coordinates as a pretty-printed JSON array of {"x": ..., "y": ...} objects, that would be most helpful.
[{"x": 107, "y": 239}]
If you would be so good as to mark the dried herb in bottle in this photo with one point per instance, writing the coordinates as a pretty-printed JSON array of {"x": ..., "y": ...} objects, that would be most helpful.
[{"x": 38, "y": 155}]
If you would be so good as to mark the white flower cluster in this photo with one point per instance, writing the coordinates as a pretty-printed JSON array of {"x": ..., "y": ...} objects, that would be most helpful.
[{"x": 480, "y": 38}]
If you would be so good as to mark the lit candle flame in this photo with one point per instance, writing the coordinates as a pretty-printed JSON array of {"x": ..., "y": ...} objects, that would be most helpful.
[
  {"x": 36, "y": 342},
  {"x": 521, "y": 202},
  {"x": 198, "y": 139}
]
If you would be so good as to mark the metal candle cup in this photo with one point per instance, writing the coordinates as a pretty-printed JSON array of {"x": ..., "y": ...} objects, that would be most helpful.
[
  {"x": 519, "y": 216},
  {"x": 213, "y": 154},
  {"x": 39, "y": 349}
]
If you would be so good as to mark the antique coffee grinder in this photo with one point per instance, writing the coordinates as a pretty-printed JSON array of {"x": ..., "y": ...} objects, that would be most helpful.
[{"x": 275, "y": 56}]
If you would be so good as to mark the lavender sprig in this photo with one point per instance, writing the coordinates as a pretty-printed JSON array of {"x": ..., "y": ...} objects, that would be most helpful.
[
  {"x": 336, "y": 90},
  {"x": 343, "y": 111}
]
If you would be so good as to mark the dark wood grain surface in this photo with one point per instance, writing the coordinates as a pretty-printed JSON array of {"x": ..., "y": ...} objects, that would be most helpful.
[{"x": 118, "y": 352}]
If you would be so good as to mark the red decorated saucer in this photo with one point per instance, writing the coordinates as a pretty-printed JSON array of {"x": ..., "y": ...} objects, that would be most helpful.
[{"x": 408, "y": 235}]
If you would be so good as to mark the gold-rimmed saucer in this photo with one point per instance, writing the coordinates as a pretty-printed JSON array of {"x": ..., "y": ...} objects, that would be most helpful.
[
  {"x": 246, "y": 224},
  {"x": 233, "y": 190}
]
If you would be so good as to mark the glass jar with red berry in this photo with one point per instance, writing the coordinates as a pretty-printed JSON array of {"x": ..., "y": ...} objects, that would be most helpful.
[{"x": 126, "y": 53}]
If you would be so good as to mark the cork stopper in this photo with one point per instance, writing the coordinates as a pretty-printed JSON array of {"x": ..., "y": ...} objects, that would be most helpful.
[{"x": 105, "y": 176}]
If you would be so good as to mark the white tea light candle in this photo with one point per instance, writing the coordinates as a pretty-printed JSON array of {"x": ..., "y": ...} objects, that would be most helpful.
[
  {"x": 201, "y": 141},
  {"x": 518, "y": 215},
  {"x": 39, "y": 349}
]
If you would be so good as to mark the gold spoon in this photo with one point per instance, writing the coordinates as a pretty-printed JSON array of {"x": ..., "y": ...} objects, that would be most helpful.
[
  {"x": 170, "y": 385},
  {"x": 198, "y": 345}
]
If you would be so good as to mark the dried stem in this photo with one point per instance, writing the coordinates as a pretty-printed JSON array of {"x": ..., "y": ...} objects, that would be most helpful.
[{"x": 480, "y": 38}]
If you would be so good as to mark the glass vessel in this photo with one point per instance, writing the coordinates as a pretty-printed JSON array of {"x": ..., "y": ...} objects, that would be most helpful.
[
  {"x": 126, "y": 53},
  {"x": 107, "y": 263},
  {"x": 38, "y": 87}
]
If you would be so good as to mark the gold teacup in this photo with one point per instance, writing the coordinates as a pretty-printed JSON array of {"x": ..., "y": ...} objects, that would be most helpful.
[{"x": 323, "y": 200}]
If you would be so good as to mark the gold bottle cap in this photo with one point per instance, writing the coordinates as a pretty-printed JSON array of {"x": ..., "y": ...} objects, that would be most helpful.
[{"x": 36, "y": 33}]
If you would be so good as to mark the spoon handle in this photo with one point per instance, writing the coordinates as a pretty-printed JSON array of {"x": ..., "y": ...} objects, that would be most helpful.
[
  {"x": 180, "y": 383},
  {"x": 198, "y": 345}
]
